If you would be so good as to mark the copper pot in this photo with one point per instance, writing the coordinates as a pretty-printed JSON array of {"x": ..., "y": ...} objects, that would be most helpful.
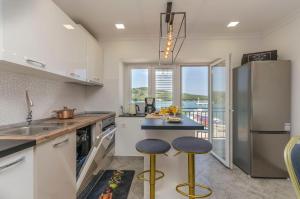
[{"x": 65, "y": 113}]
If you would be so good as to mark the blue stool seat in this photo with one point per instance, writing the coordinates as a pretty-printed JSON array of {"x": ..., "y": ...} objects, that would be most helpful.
[
  {"x": 153, "y": 146},
  {"x": 192, "y": 145},
  {"x": 295, "y": 157}
]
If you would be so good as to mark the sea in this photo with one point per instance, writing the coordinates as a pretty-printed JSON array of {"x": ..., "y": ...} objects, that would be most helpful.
[{"x": 185, "y": 104}]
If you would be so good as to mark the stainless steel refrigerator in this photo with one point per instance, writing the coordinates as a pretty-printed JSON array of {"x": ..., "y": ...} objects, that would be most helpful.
[{"x": 261, "y": 117}]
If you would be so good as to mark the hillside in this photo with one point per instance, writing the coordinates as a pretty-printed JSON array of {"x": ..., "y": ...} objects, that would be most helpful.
[{"x": 139, "y": 94}]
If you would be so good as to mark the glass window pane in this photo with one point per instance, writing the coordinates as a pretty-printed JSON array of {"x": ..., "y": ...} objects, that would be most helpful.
[
  {"x": 194, "y": 93},
  {"x": 218, "y": 88},
  {"x": 163, "y": 87},
  {"x": 139, "y": 85}
]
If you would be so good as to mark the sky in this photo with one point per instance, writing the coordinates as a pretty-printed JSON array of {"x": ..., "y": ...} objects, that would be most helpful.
[
  {"x": 139, "y": 77},
  {"x": 194, "y": 80}
]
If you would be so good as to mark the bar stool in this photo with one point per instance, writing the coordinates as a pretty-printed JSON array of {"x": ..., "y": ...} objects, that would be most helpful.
[
  {"x": 152, "y": 147},
  {"x": 192, "y": 146}
]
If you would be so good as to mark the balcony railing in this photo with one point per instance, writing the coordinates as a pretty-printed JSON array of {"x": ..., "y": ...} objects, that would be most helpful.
[
  {"x": 198, "y": 115},
  {"x": 201, "y": 116}
]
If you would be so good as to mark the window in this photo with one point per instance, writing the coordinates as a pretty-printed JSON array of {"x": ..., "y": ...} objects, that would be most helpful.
[
  {"x": 194, "y": 93},
  {"x": 151, "y": 82},
  {"x": 163, "y": 87},
  {"x": 139, "y": 85}
]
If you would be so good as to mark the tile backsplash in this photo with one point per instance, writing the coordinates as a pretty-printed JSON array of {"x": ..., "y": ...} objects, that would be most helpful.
[{"x": 47, "y": 95}]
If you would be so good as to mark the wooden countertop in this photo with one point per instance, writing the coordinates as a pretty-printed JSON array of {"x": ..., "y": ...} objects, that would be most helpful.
[{"x": 79, "y": 122}]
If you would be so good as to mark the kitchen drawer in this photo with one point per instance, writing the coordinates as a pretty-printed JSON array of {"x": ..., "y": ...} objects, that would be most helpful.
[
  {"x": 55, "y": 163},
  {"x": 17, "y": 175}
]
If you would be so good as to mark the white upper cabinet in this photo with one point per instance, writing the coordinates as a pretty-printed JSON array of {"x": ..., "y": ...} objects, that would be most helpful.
[
  {"x": 76, "y": 54},
  {"x": 94, "y": 58},
  {"x": 32, "y": 34},
  {"x": 25, "y": 32},
  {"x": 98, "y": 71}
]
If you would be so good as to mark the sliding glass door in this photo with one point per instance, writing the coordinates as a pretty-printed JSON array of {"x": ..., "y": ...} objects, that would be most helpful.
[{"x": 219, "y": 112}]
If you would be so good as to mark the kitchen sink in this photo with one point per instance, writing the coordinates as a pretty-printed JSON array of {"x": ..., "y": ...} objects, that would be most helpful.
[
  {"x": 36, "y": 128},
  {"x": 28, "y": 130}
]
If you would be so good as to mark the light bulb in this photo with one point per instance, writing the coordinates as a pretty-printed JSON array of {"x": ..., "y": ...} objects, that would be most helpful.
[
  {"x": 167, "y": 52},
  {"x": 166, "y": 56},
  {"x": 169, "y": 43},
  {"x": 168, "y": 48}
]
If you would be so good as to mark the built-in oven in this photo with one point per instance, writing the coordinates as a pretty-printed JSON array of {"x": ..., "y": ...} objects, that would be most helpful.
[{"x": 100, "y": 154}]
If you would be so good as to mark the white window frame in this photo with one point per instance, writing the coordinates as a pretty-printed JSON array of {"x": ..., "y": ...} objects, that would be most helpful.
[
  {"x": 175, "y": 90},
  {"x": 180, "y": 77},
  {"x": 151, "y": 81},
  {"x": 127, "y": 78}
]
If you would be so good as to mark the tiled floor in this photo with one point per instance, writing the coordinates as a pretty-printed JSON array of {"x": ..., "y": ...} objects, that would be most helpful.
[
  {"x": 235, "y": 184},
  {"x": 131, "y": 163},
  {"x": 226, "y": 184}
]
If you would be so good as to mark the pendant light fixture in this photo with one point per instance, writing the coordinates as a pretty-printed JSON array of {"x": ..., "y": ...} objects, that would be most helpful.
[{"x": 172, "y": 34}]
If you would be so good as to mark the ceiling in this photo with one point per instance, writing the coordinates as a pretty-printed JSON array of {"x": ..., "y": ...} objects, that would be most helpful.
[{"x": 204, "y": 17}]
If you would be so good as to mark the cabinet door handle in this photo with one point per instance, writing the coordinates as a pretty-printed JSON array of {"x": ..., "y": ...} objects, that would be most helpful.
[
  {"x": 42, "y": 65},
  {"x": 93, "y": 82},
  {"x": 60, "y": 143},
  {"x": 14, "y": 163},
  {"x": 74, "y": 75}
]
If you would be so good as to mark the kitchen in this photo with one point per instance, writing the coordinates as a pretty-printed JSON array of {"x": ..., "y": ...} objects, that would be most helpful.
[{"x": 60, "y": 53}]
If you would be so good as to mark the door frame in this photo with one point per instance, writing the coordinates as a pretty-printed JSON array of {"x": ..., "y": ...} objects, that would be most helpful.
[{"x": 228, "y": 111}]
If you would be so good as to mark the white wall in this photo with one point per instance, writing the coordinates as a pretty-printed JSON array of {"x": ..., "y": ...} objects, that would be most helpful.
[
  {"x": 146, "y": 50},
  {"x": 285, "y": 38},
  {"x": 47, "y": 95}
]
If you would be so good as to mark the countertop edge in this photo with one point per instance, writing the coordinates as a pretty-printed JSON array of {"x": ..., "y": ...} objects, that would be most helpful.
[
  {"x": 17, "y": 148},
  {"x": 42, "y": 138},
  {"x": 158, "y": 124},
  {"x": 171, "y": 128}
]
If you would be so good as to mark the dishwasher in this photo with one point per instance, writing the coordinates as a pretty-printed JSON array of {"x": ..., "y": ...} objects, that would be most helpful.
[{"x": 100, "y": 154}]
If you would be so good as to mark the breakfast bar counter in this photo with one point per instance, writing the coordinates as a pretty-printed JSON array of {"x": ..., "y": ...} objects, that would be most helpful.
[
  {"x": 159, "y": 124},
  {"x": 174, "y": 167}
]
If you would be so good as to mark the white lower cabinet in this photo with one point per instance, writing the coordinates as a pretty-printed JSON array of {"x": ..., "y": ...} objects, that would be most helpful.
[
  {"x": 16, "y": 175},
  {"x": 47, "y": 171},
  {"x": 55, "y": 168}
]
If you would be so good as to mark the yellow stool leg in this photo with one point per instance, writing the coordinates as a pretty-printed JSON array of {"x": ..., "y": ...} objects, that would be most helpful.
[
  {"x": 191, "y": 184},
  {"x": 191, "y": 174},
  {"x": 152, "y": 175}
]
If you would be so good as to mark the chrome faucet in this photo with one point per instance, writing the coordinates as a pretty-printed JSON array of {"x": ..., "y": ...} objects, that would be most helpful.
[{"x": 29, "y": 110}]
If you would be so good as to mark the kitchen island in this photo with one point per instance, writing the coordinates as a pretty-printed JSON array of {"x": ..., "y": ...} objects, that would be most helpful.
[
  {"x": 159, "y": 124},
  {"x": 174, "y": 167}
]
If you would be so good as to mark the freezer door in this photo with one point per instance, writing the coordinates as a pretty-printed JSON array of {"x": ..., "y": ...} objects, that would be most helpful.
[
  {"x": 267, "y": 157},
  {"x": 271, "y": 95},
  {"x": 241, "y": 117}
]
